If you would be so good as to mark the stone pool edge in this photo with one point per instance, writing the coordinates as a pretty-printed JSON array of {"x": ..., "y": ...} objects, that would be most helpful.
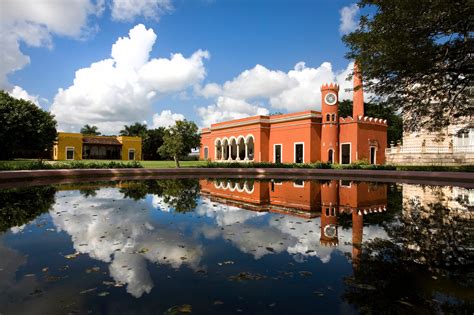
[{"x": 385, "y": 175}]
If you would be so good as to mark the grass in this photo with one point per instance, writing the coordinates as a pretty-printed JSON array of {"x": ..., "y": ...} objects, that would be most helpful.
[{"x": 35, "y": 164}]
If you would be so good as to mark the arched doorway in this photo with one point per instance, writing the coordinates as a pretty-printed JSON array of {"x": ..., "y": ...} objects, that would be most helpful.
[{"x": 331, "y": 156}]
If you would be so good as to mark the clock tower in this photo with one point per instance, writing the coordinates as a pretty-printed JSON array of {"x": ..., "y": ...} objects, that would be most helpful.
[{"x": 330, "y": 123}]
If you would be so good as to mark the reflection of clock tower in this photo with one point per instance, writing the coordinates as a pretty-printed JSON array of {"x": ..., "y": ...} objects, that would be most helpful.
[{"x": 330, "y": 125}]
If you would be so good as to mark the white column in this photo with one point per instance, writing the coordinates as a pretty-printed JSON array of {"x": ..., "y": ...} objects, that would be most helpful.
[
  {"x": 246, "y": 152},
  {"x": 230, "y": 151}
]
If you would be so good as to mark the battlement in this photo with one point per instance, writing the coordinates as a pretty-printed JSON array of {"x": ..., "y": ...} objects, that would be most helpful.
[
  {"x": 330, "y": 86},
  {"x": 364, "y": 119}
]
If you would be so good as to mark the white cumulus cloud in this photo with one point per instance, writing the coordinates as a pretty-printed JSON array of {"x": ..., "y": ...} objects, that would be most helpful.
[
  {"x": 348, "y": 19},
  {"x": 19, "y": 92},
  {"x": 166, "y": 118},
  {"x": 34, "y": 23},
  {"x": 119, "y": 90},
  {"x": 127, "y": 10},
  {"x": 296, "y": 90},
  {"x": 227, "y": 108}
]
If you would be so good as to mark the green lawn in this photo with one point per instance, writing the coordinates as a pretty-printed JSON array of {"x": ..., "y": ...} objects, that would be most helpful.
[{"x": 23, "y": 164}]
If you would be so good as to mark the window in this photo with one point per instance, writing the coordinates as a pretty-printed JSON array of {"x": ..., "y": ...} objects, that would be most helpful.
[
  {"x": 131, "y": 154},
  {"x": 298, "y": 183},
  {"x": 55, "y": 154},
  {"x": 69, "y": 153},
  {"x": 345, "y": 153},
  {"x": 206, "y": 153},
  {"x": 333, "y": 117},
  {"x": 299, "y": 152},
  {"x": 328, "y": 117},
  {"x": 373, "y": 157},
  {"x": 331, "y": 156},
  {"x": 277, "y": 158}
]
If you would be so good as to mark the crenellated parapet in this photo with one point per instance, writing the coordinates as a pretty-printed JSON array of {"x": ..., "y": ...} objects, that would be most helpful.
[
  {"x": 330, "y": 86},
  {"x": 364, "y": 119}
]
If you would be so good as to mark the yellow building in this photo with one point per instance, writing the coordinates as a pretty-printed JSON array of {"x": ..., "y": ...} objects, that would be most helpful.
[{"x": 75, "y": 146}]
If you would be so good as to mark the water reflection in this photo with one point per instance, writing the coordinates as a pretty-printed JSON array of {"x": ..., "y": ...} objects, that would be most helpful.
[{"x": 394, "y": 236}]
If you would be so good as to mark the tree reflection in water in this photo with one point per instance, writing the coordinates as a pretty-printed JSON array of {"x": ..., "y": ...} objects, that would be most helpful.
[
  {"x": 424, "y": 264},
  {"x": 19, "y": 206}
]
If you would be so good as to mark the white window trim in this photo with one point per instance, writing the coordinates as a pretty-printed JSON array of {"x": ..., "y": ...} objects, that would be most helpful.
[
  {"x": 204, "y": 152},
  {"x": 350, "y": 152},
  {"x": 274, "y": 152},
  {"x": 128, "y": 156},
  {"x": 375, "y": 154},
  {"x": 73, "y": 153},
  {"x": 294, "y": 151},
  {"x": 298, "y": 186}
]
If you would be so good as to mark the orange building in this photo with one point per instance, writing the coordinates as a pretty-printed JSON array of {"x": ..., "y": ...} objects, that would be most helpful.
[
  {"x": 309, "y": 199},
  {"x": 302, "y": 137}
]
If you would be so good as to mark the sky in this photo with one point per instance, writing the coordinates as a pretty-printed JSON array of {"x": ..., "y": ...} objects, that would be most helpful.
[{"x": 114, "y": 62}]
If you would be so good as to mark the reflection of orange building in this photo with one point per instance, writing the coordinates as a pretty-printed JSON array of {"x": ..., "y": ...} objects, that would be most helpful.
[
  {"x": 306, "y": 199},
  {"x": 302, "y": 137}
]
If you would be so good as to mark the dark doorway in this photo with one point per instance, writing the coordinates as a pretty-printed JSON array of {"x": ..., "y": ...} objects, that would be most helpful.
[
  {"x": 346, "y": 153},
  {"x": 299, "y": 153},
  {"x": 331, "y": 156},
  {"x": 278, "y": 153},
  {"x": 372, "y": 155}
]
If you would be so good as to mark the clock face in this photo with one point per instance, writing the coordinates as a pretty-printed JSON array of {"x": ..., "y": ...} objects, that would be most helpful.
[
  {"x": 330, "y": 231},
  {"x": 330, "y": 98}
]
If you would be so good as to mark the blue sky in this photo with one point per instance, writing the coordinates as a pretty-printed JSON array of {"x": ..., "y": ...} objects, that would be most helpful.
[{"x": 229, "y": 39}]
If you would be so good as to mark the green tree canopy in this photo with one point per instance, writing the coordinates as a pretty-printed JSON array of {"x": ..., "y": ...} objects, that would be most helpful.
[
  {"x": 90, "y": 130},
  {"x": 24, "y": 127},
  {"x": 418, "y": 56},
  {"x": 378, "y": 110},
  {"x": 152, "y": 142},
  {"x": 135, "y": 130},
  {"x": 179, "y": 139}
]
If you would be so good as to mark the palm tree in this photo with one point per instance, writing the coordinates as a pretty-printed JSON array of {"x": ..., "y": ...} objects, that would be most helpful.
[
  {"x": 90, "y": 130},
  {"x": 135, "y": 130}
]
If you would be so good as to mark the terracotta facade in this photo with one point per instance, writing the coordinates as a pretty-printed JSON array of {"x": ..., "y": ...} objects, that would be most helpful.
[{"x": 302, "y": 137}]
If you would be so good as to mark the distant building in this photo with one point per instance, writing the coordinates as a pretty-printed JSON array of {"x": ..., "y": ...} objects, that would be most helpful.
[
  {"x": 75, "y": 146},
  {"x": 302, "y": 137},
  {"x": 453, "y": 145}
]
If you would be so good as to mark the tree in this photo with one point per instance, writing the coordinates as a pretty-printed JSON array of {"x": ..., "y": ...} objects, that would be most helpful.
[
  {"x": 24, "y": 127},
  {"x": 378, "y": 110},
  {"x": 418, "y": 56},
  {"x": 135, "y": 130},
  {"x": 152, "y": 142},
  {"x": 90, "y": 130},
  {"x": 179, "y": 139}
]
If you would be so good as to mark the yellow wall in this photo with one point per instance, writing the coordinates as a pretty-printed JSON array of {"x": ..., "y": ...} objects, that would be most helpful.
[
  {"x": 67, "y": 140},
  {"x": 131, "y": 143},
  {"x": 75, "y": 140}
]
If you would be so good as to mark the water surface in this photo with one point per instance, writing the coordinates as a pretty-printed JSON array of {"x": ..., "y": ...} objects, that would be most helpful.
[{"x": 236, "y": 246}]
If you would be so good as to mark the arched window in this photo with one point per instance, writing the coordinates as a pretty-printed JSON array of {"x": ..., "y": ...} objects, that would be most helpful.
[
  {"x": 241, "y": 143},
  {"x": 333, "y": 117},
  {"x": 218, "y": 150},
  {"x": 331, "y": 156},
  {"x": 328, "y": 117},
  {"x": 233, "y": 149},
  {"x": 250, "y": 148},
  {"x": 225, "y": 149}
]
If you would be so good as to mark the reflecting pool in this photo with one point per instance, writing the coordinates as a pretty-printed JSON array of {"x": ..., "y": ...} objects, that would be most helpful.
[{"x": 203, "y": 246}]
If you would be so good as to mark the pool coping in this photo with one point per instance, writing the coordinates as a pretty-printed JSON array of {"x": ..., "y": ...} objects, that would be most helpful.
[{"x": 422, "y": 177}]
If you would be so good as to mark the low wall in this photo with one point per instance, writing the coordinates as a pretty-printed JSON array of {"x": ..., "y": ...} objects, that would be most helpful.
[
  {"x": 34, "y": 177},
  {"x": 425, "y": 158}
]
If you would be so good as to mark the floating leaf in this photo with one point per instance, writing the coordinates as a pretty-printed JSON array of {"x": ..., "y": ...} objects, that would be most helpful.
[
  {"x": 72, "y": 256},
  {"x": 87, "y": 291},
  {"x": 105, "y": 293},
  {"x": 185, "y": 308}
]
